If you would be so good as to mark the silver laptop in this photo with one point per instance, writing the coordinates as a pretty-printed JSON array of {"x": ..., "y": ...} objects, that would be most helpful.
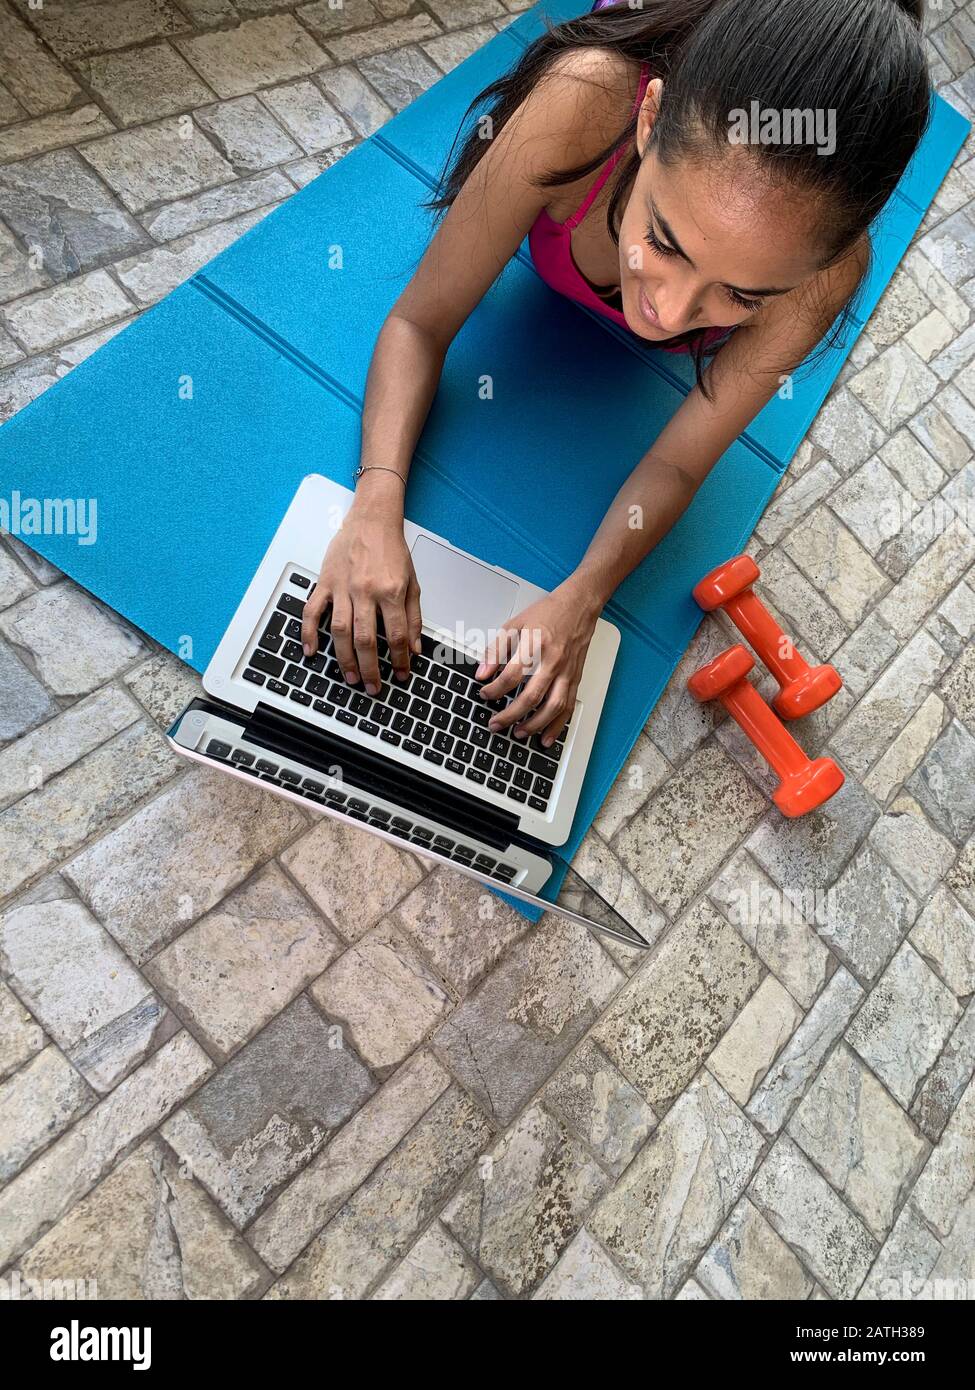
[{"x": 415, "y": 764}]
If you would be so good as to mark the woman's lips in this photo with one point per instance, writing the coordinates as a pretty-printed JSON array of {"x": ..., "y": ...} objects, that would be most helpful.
[{"x": 647, "y": 309}]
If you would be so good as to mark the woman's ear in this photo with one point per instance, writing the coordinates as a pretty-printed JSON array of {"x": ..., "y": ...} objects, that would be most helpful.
[{"x": 649, "y": 110}]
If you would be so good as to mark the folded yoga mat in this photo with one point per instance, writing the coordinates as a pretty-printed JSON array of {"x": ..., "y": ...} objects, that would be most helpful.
[{"x": 274, "y": 340}]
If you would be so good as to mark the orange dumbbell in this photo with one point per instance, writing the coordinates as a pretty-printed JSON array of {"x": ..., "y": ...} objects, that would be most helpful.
[
  {"x": 802, "y": 688},
  {"x": 805, "y": 782}
]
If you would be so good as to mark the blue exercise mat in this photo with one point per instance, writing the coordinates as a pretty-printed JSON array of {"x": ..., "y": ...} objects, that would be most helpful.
[{"x": 194, "y": 426}]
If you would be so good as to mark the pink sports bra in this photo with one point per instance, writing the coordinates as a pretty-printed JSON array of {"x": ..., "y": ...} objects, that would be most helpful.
[{"x": 550, "y": 244}]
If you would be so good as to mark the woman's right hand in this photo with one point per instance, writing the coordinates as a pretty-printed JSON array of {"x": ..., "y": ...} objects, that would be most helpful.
[{"x": 367, "y": 566}]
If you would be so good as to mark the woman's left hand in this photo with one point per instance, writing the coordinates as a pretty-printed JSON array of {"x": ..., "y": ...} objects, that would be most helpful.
[{"x": 545, "y": 646}]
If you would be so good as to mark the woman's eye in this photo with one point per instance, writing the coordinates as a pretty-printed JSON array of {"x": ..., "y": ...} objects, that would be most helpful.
[
  {"x": 655, "y": 244},
  {"x": 751, "y": 305}
]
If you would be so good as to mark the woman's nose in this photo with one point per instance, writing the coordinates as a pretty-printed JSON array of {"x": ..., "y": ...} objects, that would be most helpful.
[{"x": 676, "y": 307}]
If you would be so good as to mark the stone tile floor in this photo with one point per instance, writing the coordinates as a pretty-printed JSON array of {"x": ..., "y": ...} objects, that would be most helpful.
[{"x": 247, "y": 1053}]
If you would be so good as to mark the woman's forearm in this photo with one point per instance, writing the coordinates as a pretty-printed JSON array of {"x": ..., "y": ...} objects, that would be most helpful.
[
  {"x": 647, "y": 505},
  {"x": 403, "y": 377}
]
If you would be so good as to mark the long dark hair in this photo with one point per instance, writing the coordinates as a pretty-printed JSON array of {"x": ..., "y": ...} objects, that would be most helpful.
[{"x": 863, "y": 59}]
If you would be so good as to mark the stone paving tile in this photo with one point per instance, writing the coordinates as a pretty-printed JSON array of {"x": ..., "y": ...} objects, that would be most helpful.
[
  {"x": 946, "y": 428},
  {"x": 21, "y": 384},
  {"x": 36, "y": 1105},
  {"x": 513, "y": 1032},
  {"x": 907, "y": 1258},
  {"x": 10, "y": 110},
  {"x": 944, "y": 784},
  {"x": 678, "y": 723},
  {"x": 944, "y": 937},
  {"x": 355, "y": 99},
  {"x": 269, "y": 1110},
  {"x": 44, "y": 828},
  {"x": 904, "y": 1024},
  {"x": 82, "y": 989},
  {"x": 79, "y": 306},
  {"x": 846, "y": 431},
  {"x": 837, "y": 564},
  {"x": 19, "y": 272},
  {"x": 909, "y": 842},
  {"x": 302, "y": 171},
  {"x": 949, "y": 1173},
  {"x": 803, "y": 1055},
  {"x": 21, "y": 1036},
  {"x": 461, "y": 928},
  {"x": 672, "y": 1014},
  {"x": 860, "y": 1139},
  {"x": 807, "y": 1213},
  {"x": 803, "y": 610},
  {"x": 526, "y": 1200},
  {"x": 873, "y": 504},
  {"x": 435, "y": 1269},
  {"x": 35, "y": 758},
  {"x": 743, "y": 1056},
  {"x": 748, "y": 1261},
  {"x": 157, "y": 163},
  {"x": 177, "y": 857},
  {"x": 385, "y": 994},
  {"x": 24, "y": 703},
  {"x": 307, "y": 115},
  {"x": 448, "y": 51},
  {"x": 406, "y": 67},
  {"x": 69, "y": 1169},
  {"x": 74, "y": 28},
  {"x": 379, "y": 1222},
  {"x": 163, "y": 685},
  {"x": 46, "y": 624},
  {"x": 246, "y": 134},
  {"x": 585, "y": 1273},
  {"x": 951, "y": 626},
  {"x": 912, "y": 465},
  {"x": 793, "y": 499},
  {"x": 896, "y": 384},
  {"x": 950, "y": 247},
  {"x": 601, "y": 1106},
  {"x": 257, "y": 53},
  {"x": 14, "y": 583},
  {"x": 9, "y": 351},
  {"x": 52, "y": 132},
  {"x": 895, "y": 766},
  {"x": 809, "y": 853},
  {"x": 57, "y": 205},
  {"x": 38, "y": 82},
  {"x": 325, "y": 19},
  {"x": 961, "y": 878},
  {"x": 645, "y": 770},
  {"x": 775, "y": 925},
  {"x": 929, "y": 580},
  {"x": 676, "y": 841},
  {"x": 945, "y": 1083},
  {"x": 354, "y": 879},
  {"x": 663, "y": 1213},
  {"x": 169, "y": 1240},
  {"x": 313, "y": 1197},
  {"x": 868, "y": 914},
  {"x": 203, "y": 209},
  {"x": 153, "y": 274},
  {"x": 597, "y": 868},
  {"x": 144, "y": 83},
  {"x": 240, "y": 964}
]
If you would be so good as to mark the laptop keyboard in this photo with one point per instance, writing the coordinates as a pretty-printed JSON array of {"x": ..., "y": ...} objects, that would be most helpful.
[
  {"x": 358, "y": 807},
  {"x": 437, "y": 715}
]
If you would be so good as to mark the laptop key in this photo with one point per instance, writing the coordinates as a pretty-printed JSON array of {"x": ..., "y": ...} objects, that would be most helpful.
[
  {"x": 517, "y": 794},
  {"x": 217, "y": 749},
  {"x": 358, "y": 815},
  {"x": 270, "y": 642},
  {"x": 504, "y": 770},
  {"x": 413, "y": 747},
  {"x": 454, "y": 766},
  {"x": 294, "y": 607},
  {"x": 431, "y": 756},
  {"x": 419, "y": 664},
  {"x": 378, "y": 813},
  {"x": 388, "y": 736},
  {"x": 441, "y": 697},
  {"x": 423, "y": 733},
  {"x": 484, "y": 761},
  {"x": 367, "y": 727},
  {"x": 399, "y": 699},
  {"x": 545, "y": 766},
  {"x": 346, "y": 716},
  {"x": 480, "y": 715},
  {"x": 300, "y": 580},
  {"x": 497, "y": 785},
  {"x": 264, "y": 661},
  {"x": 310, "y": 785},
  {"x": 542, "y": 787},
  {"x": 357, "y": 803},
  {"x": 443, "y": 743},
  {"x": 401, "y": 823},
  {"x": 537, "y": 803},
  {"x": 402, "y": 723},
  {"x": 458, "y": 684},
  {"x": 339, "y": 694},
  {"x": 382, "y": 714},
  {"x": 317, "y": 686},
  {"x": 442, "y": 842},
  {"x": 523, "y": 778},
  {"x": 461, "y": 707},
  {"x": 359, "y": 703},
  {"x": 420, "y": 709},
  {"x": 479, "y": 737},
  {"x": 334, "y": 671},
  {"x": 300, "y": 697},
  {"x": 439, "y": 718},
  {"x": 263, "y": 765},
  {"x": 323, "y": 707},
  {"x": 422, "y": 689},
  {"x": 254, "y": 677},
  {"x": 293, "y": 629},
  {"x": 475, "y": 776},
  {"x": 506, "y": 871},
  {"x": 314, "y": 663},
  {"x": 517, "y": 753},
  {"x": 484, "y": 861},
  {"x": 422, "y": 832},
  {"x": 291, "y": 651},
  {"x": 439, "y": 675},
  {"x": 333, "y": 794},
  {"x": 288, "y": 775},
  {"x": 460, "y": 728},
  {"x": 464, "y": 852},
  {"x": 239, "y": 756},
  {"x": 464, "y": 751},
  {"x": 499, "y": 745},
  {"x": 294, "y": 675},
  {"x": 278, "y": 687}
]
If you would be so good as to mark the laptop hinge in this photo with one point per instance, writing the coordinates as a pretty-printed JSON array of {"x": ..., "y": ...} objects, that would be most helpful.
[{"x": 362, "y": 768}]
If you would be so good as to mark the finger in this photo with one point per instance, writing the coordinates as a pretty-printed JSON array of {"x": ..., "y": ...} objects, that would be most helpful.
[
  {"x": 522, "y": 705},
  {"x": 497, "y": 649},
  {"x": 397, "y": 629},
  {"x": 552, "y": 710},
  {"x": 364, "y": 637},
  {"x": 311, "y": 618},
  {"x": 341, "y": 629}
]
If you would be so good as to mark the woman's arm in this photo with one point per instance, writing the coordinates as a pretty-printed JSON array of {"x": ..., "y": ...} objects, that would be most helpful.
[
  {"x": 743, "y": 377},
  {"x": 368, "y": 565}
]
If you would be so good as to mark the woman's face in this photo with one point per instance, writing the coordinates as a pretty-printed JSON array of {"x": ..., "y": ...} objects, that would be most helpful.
[{"x": 707, "y": 244}]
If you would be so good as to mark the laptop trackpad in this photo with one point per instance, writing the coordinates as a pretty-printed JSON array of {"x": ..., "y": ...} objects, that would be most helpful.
[{"x": 460, "y": 594}]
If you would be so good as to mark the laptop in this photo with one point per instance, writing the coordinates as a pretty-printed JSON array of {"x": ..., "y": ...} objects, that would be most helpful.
[{"x": 416, "y": 764}]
